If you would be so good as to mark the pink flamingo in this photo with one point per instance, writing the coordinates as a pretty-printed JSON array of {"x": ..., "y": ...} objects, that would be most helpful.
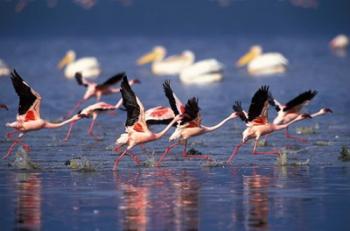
[
  {"x": 291, "y": 110},
  {"x": 28, "y": 117},
  {"x": 4, "y": 107},
  {"x": 93, "y": 111},
  {"x": 257, "y": 123},
  {"x": 190, "y": 125},
  {"x": 97, "y": 90},
  {"x": 136, "y": 129}
]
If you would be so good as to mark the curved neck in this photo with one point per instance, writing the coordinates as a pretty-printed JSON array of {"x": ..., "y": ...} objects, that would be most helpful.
[
  {"x": 212, "y": 128},
  {"x": 162, "y": 133},
  {"x": 283, "y": 126},
  {"x": 57, "y": 125}
]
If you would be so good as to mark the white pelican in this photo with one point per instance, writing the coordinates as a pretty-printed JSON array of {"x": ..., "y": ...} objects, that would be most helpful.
[
  {"x": 202, "y": 72},
  {"x": 339, "y": 42},
  {"x": 4, "y": 69},
  {"x": 263, "y": 64},
  {"x": 87, "y": 66},
  {"x": 171, "y": 65}
]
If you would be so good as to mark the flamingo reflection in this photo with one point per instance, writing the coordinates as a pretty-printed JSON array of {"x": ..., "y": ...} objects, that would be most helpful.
[
  {"x": 28, "y": 209},
  {"x": 256, "y": 201}
]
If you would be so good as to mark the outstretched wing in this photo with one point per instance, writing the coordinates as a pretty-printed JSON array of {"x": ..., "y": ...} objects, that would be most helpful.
[
  {"x": 259, "y": 106},
  {"x": 29, "y": 100},
  {"x": 237, "y": 107},
  {"x": 298, "y": 102},
  {"x": 111, "y": 81},
  {"x": 174, "y": 102},
  {"x": 274, "y": 103},
  {"x": 80, "y": 80},
  {"x": 134, "y": 108},
  {"x": 191, "y": 113}
]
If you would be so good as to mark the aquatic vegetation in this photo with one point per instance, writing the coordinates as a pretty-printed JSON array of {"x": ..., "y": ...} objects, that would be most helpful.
[
  {"x": 344, "y": 153},
  {"x": 322, "y": 143},
  {"x": 214, "y": 163},
  {"x": 193, "y": 151},
  {"x": 282, "y": 160},
  {"x": 23, "y": 161},
  {"x": 80, "y": 164},
  {"x": 308, "y": 130}
]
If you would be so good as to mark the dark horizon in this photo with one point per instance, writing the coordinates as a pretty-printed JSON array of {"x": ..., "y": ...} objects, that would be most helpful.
[{"x": 169, "y": 18}]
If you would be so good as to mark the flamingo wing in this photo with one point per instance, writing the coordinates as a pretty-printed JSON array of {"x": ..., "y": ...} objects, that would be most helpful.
[
  {"x": 298, "y": 102},
  {"x": 111, "y": 81},
  {"x": 175, "y": 104},
  {"x": 159, "y": 115},
  {"x": 258, "y": 109},
  {"x": 80, "y": 80},
  {"x": 29, "y": 100},
  {"x": 274, "y": 103},
  {"x": 134, "y": 108},
  {"x": 191, "y": 114},
  {"x": 237, "y": 107}
]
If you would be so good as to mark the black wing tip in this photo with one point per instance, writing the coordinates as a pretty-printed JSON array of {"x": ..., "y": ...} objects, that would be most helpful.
[
  {"x": 237, "y": 106},
  {"x": 15, "y": 75}
]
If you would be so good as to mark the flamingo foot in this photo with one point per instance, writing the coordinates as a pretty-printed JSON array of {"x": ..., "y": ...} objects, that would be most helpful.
[{"x": 10, "y": 150}]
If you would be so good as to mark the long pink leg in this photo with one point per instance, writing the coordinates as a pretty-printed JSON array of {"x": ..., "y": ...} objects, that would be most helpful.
[
  {"x": 69, "y": 131},
  {"x": 273, "y": 152},
  {"x": 91, "y": 128},
  {"x": 167, "y": 150},
  {"x": 10, "y": 134},
  {"x": 234, "y": 153},
  {"x": 185, "y": 155},
  {"x": 294, "y": 137},
  {"x": 134, "y": 158},
  {"x": 76, "y": 106},
  {"x": 116, "y": 162},
  {"x": 10, "y": 150}
]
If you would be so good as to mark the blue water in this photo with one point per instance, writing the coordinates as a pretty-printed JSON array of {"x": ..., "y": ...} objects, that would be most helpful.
[{"x": 253, "y": 194}]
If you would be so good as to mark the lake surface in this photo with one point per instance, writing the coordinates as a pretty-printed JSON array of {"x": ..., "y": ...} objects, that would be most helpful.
[{"x": 252, "y": 194}]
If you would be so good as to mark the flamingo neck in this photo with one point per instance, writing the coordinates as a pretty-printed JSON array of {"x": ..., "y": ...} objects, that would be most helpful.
[
  {"x": 212, "y": 128},
  {"x": 319, "y": 113},
  {"x": 283, "y": 126},
  {"x": 57, "y": 125},
  {"x": 119, "y": 104},
  {"x": 162, "y": 133}
]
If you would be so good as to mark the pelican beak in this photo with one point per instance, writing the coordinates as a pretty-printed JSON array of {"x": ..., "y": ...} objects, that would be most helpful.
[
  {"x": 147, "y": 58},
  {"x": 245, "y": 59},
  {"x": 63, "y": 62}
]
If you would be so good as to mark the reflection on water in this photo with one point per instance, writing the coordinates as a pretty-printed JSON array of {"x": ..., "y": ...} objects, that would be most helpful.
[
  {"x": 28, "y": 208},
  {"x": 256, "y": 201},
  {"x": 159, "y": 200}
]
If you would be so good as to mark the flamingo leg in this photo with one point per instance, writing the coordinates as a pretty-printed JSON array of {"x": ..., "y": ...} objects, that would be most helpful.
[
  {"x": 289, "y": 136},
  {"x": 76, "y": 106},
  {"x": 10, "y": 134},
  {"x": 116, "y": 162},
  {"x": 167, "y": 150},
  {"x": 91, "y": 128},
  {"x": 234, "y": 153},
  {"x": 185, "y": 155},
  {"x": 273, "y": 152},
  {"x": 69, "y": 131},
  {"x": 134, "y": 158},
  {"x": 10, "y": 150},
  {"x": 117, "y": 148}
]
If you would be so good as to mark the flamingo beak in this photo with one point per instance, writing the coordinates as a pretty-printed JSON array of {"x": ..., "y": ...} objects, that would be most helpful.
[
  {"x": 306, "y": 116},
  {"x": 245, "y": 59},
  {"x": 147, "y": 58},
  {"x": 328, "y": 110},
  {"x": 137, "y": 81}
]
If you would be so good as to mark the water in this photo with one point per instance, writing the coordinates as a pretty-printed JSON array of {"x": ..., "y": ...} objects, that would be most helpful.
[{"x": 253, "y": 194}]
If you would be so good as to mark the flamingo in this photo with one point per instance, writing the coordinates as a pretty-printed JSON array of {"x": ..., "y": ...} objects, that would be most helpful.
[
  {"x": 257, "y": 122},
  {"x": 263, "y": 64},
  {"x": 97, "y": 90},
  {"x": 190, "y": 125},
  {"x": 136, "y": 129},
  {"x": 4, "y": 106},
  {"x": 28, "y": 118},
  {"x": 171, "y": 65},
  {"x": 93, "y": 111},
  {"x": 88, "y": 66},
  {"x": 291, "y": 110}
]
